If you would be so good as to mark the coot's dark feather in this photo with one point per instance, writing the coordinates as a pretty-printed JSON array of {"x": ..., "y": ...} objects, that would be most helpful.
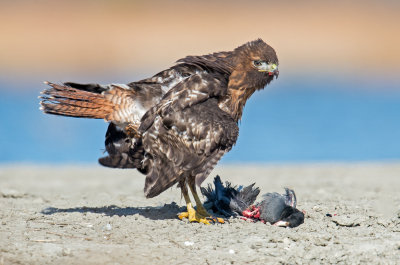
[{"x": 229, "y": 200}]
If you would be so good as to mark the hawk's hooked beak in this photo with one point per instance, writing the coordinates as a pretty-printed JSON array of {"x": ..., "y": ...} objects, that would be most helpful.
[
  {"x": 271, "y": 68},
  {"x": 274, "y": 73}
]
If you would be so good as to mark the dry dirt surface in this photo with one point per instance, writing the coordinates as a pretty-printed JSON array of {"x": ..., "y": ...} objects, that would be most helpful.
[{"x": 94, "y": 215}]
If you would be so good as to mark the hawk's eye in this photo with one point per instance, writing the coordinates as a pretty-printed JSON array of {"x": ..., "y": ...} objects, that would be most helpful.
[
  {"x": 260, "y": 65},
  {"x": 257, "y": 63}
]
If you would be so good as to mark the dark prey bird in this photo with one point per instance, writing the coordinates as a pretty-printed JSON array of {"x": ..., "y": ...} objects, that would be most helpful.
[
  {"x": 229, "y": 200},
  {"x": 175, "y": 126},
  {"x": 277, "y": 209},
  {"x": 280, "y": 209}
]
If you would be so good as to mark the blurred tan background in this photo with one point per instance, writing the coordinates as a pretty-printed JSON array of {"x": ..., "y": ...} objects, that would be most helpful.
[{"x": 69, "y": 38}]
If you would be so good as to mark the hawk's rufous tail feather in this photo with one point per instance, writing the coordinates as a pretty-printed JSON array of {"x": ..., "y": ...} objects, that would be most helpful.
[
  {"x": 68, "y": 101},
  {"x": 112, "y": 104}
]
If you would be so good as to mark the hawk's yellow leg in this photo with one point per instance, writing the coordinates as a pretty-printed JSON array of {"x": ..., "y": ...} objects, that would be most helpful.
[
  {"x": 191, "y": 213},
  {"x": 199, "y": 205}
]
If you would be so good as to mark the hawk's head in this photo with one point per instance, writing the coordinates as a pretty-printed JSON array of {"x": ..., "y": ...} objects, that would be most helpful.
[{"x": 256, "y": 63}]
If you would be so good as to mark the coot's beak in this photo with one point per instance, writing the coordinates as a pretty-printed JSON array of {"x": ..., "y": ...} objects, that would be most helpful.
[{"x": 282, "y": 223}]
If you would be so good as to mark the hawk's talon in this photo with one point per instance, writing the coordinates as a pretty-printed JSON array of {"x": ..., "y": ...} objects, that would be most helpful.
[
  {"x": 220, "y": 220},
  {"x": 211, "y": 219},
  {"x": 183, "y": 215},
  {"x": 216, "y": 220},
  {"x": 194, "y": 216}
]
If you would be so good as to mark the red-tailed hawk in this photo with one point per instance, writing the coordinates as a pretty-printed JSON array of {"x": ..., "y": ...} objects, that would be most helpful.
[{"x": 175, "y": 126}]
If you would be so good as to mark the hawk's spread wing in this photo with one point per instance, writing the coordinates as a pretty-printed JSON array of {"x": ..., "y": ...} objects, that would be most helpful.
[{"x": 186, "y": 133}]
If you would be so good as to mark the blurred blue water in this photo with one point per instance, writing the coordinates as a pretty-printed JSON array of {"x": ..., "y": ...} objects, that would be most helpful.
[{"x": 295, "y": 120}]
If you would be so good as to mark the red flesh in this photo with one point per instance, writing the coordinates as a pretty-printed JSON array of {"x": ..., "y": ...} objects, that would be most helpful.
[{"x": 252, "y": 213}]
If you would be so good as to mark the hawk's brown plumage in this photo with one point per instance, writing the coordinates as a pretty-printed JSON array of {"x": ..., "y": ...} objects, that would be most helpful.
[{"x": 175, "y": 126}]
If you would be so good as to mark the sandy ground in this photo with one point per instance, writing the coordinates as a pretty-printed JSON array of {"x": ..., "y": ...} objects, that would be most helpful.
[{"x": 94, "y": 215}]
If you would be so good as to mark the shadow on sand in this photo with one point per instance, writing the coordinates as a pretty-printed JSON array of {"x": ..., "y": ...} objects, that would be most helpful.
[{"x": 168, "y": 211}]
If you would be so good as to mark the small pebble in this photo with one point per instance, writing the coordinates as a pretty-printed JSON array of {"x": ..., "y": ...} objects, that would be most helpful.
[
  {"x": 66, "y": 252},
  {"x": 189, "y": 243},
  {"x": 231, "y": 251},
  {"x": 316, "y": 208}
]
